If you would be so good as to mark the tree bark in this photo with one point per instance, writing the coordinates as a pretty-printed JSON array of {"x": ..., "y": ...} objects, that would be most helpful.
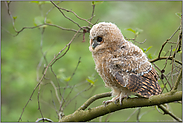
[{"x": 89, "y": 114}]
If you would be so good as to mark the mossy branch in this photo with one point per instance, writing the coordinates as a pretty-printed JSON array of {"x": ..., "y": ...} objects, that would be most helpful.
[{"x": 91, "y": 113}]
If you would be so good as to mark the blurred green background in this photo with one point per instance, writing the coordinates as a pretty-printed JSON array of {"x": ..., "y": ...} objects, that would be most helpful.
[{"x": 21, "y": 55}]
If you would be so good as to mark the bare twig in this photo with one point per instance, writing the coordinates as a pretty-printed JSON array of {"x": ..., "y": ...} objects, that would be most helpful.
[
  {"x": 65, "y": 15},
  {"x": 48, "y": 12},
  {"x": 54, "y": 103},
  {"x": 170, "y": 113},
  {"x": 178, "y": 80},
  {"x": 138, "y": 113},
  {"x": 161, "y": 58},
  {"x": 79, "y": 61},
  {"x": 93, "y": 10},
  {"x": 131, "y": 114},
  {"x": 39, "y": 106},
  {"x": 69, "y": 80},
  {"x": 62, "y": 96},
  {"x": 45, "y": 71},
  {"x": 59, "y": 8},
  {"x": 56, "y": 92},
  {"x": 167, "y": 41},
  {"x": 77, "y": 95}
]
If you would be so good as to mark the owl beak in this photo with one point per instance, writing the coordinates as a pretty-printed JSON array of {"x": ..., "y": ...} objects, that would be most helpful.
[{"x": 94, "y": 44}]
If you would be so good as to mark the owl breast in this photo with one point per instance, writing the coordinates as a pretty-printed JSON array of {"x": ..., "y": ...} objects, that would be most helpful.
[{"x": 102, "y": 62}]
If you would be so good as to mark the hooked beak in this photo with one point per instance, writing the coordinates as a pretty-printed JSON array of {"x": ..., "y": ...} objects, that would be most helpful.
[{"x": 95, "y": 43}]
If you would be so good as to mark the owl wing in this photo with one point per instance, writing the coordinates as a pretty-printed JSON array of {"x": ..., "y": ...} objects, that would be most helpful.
[
  {"x": 143, "y": 82},
  {"x": 145, "y": 85}
]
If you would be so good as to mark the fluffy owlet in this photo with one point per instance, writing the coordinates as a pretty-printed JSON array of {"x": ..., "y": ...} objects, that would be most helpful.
[{"x": 122, "y": 65}]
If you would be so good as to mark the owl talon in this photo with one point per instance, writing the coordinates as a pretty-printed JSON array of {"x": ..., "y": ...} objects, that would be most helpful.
[
  {"x": 106, "y": 102},
  {"x": 116, "y": 102}
]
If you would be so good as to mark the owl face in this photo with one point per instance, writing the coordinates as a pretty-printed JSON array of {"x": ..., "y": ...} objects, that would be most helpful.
[{"x": 101, "y": 35}]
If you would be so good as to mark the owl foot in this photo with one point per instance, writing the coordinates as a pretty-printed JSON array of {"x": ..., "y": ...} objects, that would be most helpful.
[
  {"x": 107, "y": 102},
  {"x": 120, "y": 99}
]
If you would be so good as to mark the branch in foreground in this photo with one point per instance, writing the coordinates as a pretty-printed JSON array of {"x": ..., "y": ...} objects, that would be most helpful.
[
  {"x": 92, "y": 113},
  {"x": 168, "y": 112}
]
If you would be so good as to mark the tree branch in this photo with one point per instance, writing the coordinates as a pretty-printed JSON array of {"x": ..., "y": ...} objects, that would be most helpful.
[
  {"x": 178, "y": 80},
  {"x": 81, "y": 115},
  {"x": 168, "y": 112},
  {"x": 161, "y": 58},
  {"x": 92, "y": 99}
]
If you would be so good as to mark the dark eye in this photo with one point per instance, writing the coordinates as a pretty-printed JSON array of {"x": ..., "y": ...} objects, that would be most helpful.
[{"x": 99, "y": 39}]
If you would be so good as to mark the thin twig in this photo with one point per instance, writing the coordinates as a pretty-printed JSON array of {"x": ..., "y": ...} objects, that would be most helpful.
[
  {"x": 93, "y": 10},
  {"x": 68, "y": 45},
  {"x": 62, "y": 95},
  {"x": 59, "y": 8},
  {"x": 178, "y": 80},
  {"x": 167, "y": 41},
  {"x": 45, "y": 71},
  {"x": 70, "y": 80},
  {"x": 56, "y": 92},
  {"x": 131, "y": 114},
  {"x": 77, "y": 95},
  {"x": 79, "y": 61},
  {"x": 165, "y": 78},
  {"x": 161, "y": 58},
  {"x": 54, "y": 103},
  {"x": 65, "y": 15},
  {"x": 138, "y": 113},
  {"x": 39, "y": 105},
  {"x": 170, "y": 113}
]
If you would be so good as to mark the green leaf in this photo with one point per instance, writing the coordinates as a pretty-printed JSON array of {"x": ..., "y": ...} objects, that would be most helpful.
[
  {"x": 91, "y": 80},
  {"x": 130, "y": 29},
  {"x": 67, "y": 78},
  {"x": 179, "y": 14},
  {"x": 97, "y": 2},
  {"x": 136, "y": 31},
  {"x": 15, "y": 17},
  {"x": 148, "y": 48}
]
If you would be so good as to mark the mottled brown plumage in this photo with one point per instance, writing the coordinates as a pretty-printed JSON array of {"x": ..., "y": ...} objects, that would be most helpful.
[{"x": 122, "y": 65}]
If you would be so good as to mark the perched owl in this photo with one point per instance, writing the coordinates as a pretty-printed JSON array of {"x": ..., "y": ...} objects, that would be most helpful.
[{"x": 122, "y": 65}]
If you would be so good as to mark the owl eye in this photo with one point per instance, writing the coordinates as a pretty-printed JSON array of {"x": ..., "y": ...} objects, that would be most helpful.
[{"x": 99, "y": 39}]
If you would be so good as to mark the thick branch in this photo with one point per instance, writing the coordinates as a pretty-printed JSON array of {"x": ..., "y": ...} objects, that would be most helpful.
[
  {"x": 92, "y": 113},
  {"x": 92, "y": 99}
]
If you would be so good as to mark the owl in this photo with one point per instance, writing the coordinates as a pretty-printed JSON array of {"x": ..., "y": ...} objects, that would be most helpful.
[{"x": 122, "y": 65}]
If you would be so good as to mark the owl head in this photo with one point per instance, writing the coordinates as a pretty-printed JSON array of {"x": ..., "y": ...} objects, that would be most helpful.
[{"x": 104, "y": 35}]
